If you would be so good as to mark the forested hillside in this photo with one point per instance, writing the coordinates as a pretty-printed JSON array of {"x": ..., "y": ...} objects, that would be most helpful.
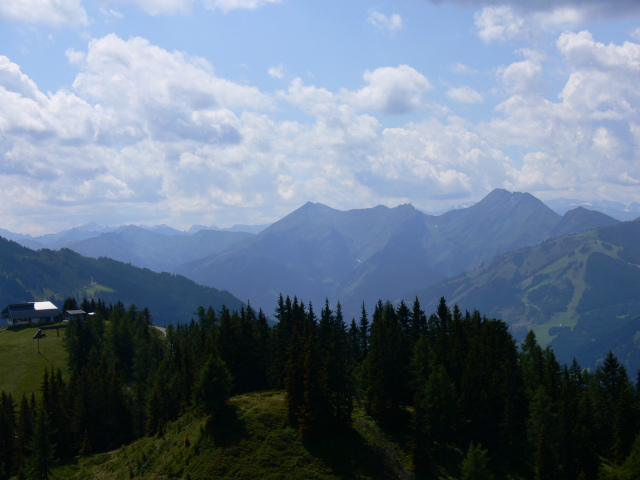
[
  {"x": 579, "y": 292},
  {"x": 28, "y": 275},
  {"x": 453, "y": 389}
]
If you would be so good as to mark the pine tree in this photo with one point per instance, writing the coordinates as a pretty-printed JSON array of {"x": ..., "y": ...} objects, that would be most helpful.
[
  {"x": 363, "y": 331},
  {"x": 24, "y": 433},
  {"x": 213, "y": 388},
  {"x": 312, "y": 414},
  {"x": 387, "y": 365},
  {"x": 41, "y": 448},
  {"x": 475, "y": 464},
  {"x": 6, "y": 443},
  {"x": 418, "y": 322}
]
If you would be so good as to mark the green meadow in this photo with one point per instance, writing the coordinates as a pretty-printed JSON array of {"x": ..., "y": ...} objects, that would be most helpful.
[{"x": 21, "y": 365}]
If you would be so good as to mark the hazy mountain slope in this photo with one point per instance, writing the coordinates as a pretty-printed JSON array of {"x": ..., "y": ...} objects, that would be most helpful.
[
  {"x": 157, "y": 251},
  {"x": 317, "y": 252},
  {"x": 27, "y": 275},
  {"x": 24, "y": 240},
  {"x": 580, "y": 219},
  {"x": 578, "y": 291},
  {"x": 306, "y": 254},
  {"x": 499, "y": 223},
  {"x": 398, "y": 266},
  {"x": 613, "y": 209}
]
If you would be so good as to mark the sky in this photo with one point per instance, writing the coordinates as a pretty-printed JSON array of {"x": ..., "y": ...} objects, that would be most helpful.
[{"x": 223, "y": 112}]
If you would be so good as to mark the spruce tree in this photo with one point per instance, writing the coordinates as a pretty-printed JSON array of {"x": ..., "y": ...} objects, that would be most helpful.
[
  {"x": 213, "y": 388},
  {"x": 475, "y": 464},
  {"x": 41, "y": 458},
  {"x": 6, "y": 443}
]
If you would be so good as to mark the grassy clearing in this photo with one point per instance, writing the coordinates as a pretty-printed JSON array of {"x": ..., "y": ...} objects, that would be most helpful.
[
  {"x": 252, "y": 440},
  {"x": 573, "y": 268},
  {"x": 21, "y": 366},
  {"x": 95, "y": 289}
]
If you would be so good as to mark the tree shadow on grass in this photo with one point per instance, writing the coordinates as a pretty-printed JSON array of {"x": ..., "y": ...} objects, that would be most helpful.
[
  {"x": 349, "y": 455},
  {"x": 226, "y": 428}
]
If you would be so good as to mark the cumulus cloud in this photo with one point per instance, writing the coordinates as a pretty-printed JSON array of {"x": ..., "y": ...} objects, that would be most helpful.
[
  {"x": 388, "y": 24},
  {"x": 506, "y": 20},
  {"x": 603, "y": 83},
  {"x": 522, "y": 76},
  {"x": 145, "y": 133},
  {"x": 393, "y": 90},
  {"x": 585, "y": 140},
  {"x": 119, "y": 137},
  {"x": 166, "y": 94},
  {"x": 54, "y": 13},
  {"x": 137, "y": 149},
  {"x": 498, "y": 23},
  {"x": 465, "y": 94}
]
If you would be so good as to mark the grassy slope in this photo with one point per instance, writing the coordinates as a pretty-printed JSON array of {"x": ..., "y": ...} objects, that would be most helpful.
[
  {"x": 252, "y": 441},
  {"x": 21, "y": 366},
  {"x": 573, "y": 269},
  {"x": 539, "y": 287}
]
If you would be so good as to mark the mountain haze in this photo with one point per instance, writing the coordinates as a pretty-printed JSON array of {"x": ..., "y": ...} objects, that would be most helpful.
[
  {"x": 318, "y": 252},
  {"x": 157, "y": 251}
]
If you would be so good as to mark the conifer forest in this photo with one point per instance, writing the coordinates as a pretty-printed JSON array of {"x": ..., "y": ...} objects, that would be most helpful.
[{"x": 457, "y": 382}]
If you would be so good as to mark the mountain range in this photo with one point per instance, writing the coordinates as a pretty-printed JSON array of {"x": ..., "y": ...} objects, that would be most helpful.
[
  {"x": 363, "y": 255},
  {"x": 573, "y": 278}
]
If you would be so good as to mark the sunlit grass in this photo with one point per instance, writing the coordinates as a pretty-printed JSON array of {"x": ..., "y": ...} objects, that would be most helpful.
[{"x": 21, "y": 366}]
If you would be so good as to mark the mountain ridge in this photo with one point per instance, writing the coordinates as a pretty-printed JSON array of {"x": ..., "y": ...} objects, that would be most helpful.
[
  {"x": 28, "y": 275},
  {"x": 319, "y": 253},
  {"x": 578, "y": 292}
]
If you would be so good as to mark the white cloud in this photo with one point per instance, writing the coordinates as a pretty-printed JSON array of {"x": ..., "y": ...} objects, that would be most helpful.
[
  {"x": 510, "y": 20},
  {"x": 393, "y": 90},
  {"x": 522, "y": 76},
  {"x": 585, "y": 141},
  {"x": 145, "y": 133},
  {"x": 55, "y": 13},
  {"x": 136, "y": 109},
  {"x": 276, "y": 72},
  {"x": 74, "y": 56},
  {"x": 110, "y": 13},
  {"x": 583, "y": 51},
  {"x": 388, "y": 24},
  {"x": 228, "y": 5},
  {"x": 603, "y": 83},
  {"x": 462, "y": 69},
  {"x": 498, "y": 23},
  {"x": 139, "y": 150},
  {"x": 465, "y": 94}
]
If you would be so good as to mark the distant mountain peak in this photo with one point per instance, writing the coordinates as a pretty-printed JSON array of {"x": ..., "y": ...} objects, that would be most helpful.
[{"x": 310, "y": 206}]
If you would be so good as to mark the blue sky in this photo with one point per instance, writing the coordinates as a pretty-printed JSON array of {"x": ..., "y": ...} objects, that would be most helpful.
[{"x": 239, "y": 111}]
